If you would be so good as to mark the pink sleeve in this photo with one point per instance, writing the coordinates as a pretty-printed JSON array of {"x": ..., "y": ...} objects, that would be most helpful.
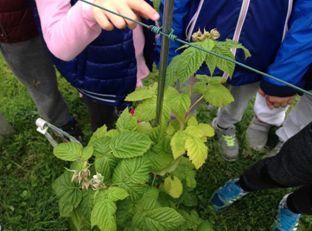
[{"x": 67, "y": 29}]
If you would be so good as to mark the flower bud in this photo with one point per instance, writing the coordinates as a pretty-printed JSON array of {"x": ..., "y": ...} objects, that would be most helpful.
[{"x": 215, "y": 34}]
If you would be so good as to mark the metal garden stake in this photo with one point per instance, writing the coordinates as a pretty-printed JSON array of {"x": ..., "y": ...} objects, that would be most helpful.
[{"x": 167, "y": 22}]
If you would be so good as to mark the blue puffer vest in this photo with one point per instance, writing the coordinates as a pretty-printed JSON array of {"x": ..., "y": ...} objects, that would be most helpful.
[{"x": 106, "y": 70}]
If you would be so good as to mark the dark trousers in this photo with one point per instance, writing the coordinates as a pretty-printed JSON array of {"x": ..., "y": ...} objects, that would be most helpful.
[
  {"x": 100, "y": 114},
  {"x": 291, "y": 167}
]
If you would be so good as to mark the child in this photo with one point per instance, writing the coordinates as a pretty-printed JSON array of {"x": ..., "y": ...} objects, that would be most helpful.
[
  {"x": 259, "y": 25},
  {"x": 24, "y": 52},
  {"x": 105, "y": 65}
]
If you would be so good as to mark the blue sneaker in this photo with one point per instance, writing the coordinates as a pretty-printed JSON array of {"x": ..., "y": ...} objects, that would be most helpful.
[
  {"x": 227, "y": 195},
  {"x": 286, "y": 220}
]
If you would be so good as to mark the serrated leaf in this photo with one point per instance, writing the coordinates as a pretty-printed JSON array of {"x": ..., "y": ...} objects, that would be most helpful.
[
  {"x": 149, "y": 200},
  {"x": 87, "y": 152},
  {"x": 173, "y": 186},
  {"x": 70, "y": 151},
  {"x": 159, "y": 219},
  {"x": 197, "y": 151},
  {"x": 192, "y": 121},
  {"x": 178, "y": 144},
  {"x": 185, "y": 171},
  {"x": 224, "y": 65},
  {"x": 132, "y": 175},
  {"x": 185, "y": 65},
  {"x": 218, "y": 95},
  {"x": 180, "y": 106},
  {"x": 146, "y": 111},
  {"x": 126, "y": 122},
  {"x": 142, "y": 93},
  {"x": 99, "y": 133},
  {"x": 237, "y": 45},
  {"x": 69, "y": 195},
  {"x": 189, "y": 199},
  {"x": 103, "y": 215},
  {"x": 130, "y": 144},
  {"x": 112, "y": 133},
  {"x": 101, "y": 146},
  {"x": 114, "y": 194},
  {"x": 207, "y": 130},
  {"x": 192, "y": 219},
  {"x": 159, "y": 157},
  {"x": 205, "y": 226},
  {"x": 125, "y": 212},
  {"x": 105, "y": 165}
]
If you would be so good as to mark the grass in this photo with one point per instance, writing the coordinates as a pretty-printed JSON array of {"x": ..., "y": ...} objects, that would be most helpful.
[{"x": 28, "y": 168}]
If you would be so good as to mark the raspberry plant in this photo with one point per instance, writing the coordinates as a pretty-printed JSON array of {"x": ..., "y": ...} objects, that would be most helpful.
[{"x": 139, "y": 176}]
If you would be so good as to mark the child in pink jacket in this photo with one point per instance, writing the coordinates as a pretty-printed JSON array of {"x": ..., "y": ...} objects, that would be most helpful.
[{"x": 103, "y": 63}]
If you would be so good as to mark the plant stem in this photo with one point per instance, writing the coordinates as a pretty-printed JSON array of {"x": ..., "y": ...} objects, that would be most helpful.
[{"x": 194, "y": 104}]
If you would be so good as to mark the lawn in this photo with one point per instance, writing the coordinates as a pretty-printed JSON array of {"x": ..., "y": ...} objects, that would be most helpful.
[{"x": 28, "y": 168}]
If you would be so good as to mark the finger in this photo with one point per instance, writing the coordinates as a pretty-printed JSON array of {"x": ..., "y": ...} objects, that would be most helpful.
[
  {"x": 277, "y": 105},
  {"x": 102, "y": 20},
  {"x": 143, "y": 9},
  {"x": 126, "y": 11},
  {"x": 117, "y": 21},
  {"x": 290, "y": 101}
]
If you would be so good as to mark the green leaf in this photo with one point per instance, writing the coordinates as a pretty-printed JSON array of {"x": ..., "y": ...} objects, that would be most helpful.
[
  {"x": 115, "y": 194},
  {"x": 192, "y": 219},
  {"x": 207, "y": 130},
  {"x": 132, "y": 175},
  {"x": 99, "y": 133},
  {"x": 130, "y": 144},
  {"x": 142, "y": 93},
  {"x": 87, "y": 152},
  {"x": 126, "y": 122},
  {"x": 180, "y": 106},
  {"x": 192, "y": 121},
  {"x": 68, "y": 151},
  {"x": 159, "y": 219},
  {"x": 101, "y": 146},
  {"x": 189, "y": 199},
  {"x": 185, "y": 171},
  {"x": 224, "y": 65},
  {"x": 125, "y": 212},
  {"x": 103, "y": 212},
  {"x": 197, "y": 151},
  {"x": 178, "y": 144},
  {"x": 173, "y": 186},
  {"x": 159, "y": 156},
  {"x": 112, "y": 133},
  {"x": 103, "y": 215},
  {"x": 237, "y": 45},
  {"x": 185, "y": 65},
  {"x": 105, "y": 165},
  {"x": 218, "y": 95},
  {"x": 69, "y": 195},
  {"x": 149, "y": 200},
  {"x": 205, "y": 226},
  {"x": 146, "y": 111}
]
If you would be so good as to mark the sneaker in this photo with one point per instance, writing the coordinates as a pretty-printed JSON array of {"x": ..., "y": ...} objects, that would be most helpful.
[
  {"x": 72, "y": 129},
  {"x": 257, "y": 134},
  {"x": 275, "y": 150},
  {"x": 227, "y": 195},
  {"x": 286, "y": 220},
  {"x": 227, "y": 141}
]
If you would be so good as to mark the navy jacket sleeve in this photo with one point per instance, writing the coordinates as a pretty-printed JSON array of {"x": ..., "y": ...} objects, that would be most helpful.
[
  {"x": 181, "y": 8},
  {"x": 295, "y": 55}
]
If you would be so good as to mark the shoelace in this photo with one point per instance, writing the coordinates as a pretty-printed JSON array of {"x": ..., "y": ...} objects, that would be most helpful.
[{"x": 230, "y": 140}]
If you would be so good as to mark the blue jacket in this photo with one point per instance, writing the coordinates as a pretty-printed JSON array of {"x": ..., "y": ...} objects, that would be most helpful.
[
  {"x": 106, "y": 70},
  {"x": 293, "y": 62},
  {"x": 260, "y": 25}
]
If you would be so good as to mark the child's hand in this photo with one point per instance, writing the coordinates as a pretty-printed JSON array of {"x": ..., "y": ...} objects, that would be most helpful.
[
  {"x": 275, "y": 101},
  {"x": 129, "y": 8}
]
